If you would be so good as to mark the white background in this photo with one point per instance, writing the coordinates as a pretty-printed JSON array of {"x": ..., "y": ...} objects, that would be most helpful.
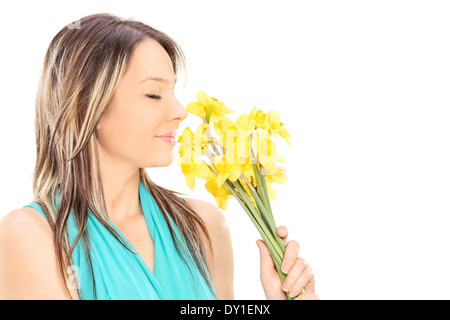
[{"x": 362, "y": 87}]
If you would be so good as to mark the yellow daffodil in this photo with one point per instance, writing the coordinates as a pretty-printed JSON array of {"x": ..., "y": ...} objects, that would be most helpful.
[
  {"x": 241, "y": 163},
  {"x": 201, "y": 170},
  {"x": 225, "y": 170},
  {"x": 275, "y": 174},
  {"x": 235, "y": 141},
  {"x": 221, "y": 128},
  {"x": 245, "y": 122},
  {"x": 246, "y": 187},
  {"x": 200, "y": 139},
  {"x": 248, "y": 172},
  {"x": 189, "y": 174},
  {"x": 260, "y": 118},
  {"x": 275, "y": 124},
  {"x": 204, "y": 172},
  {"x": 266, "y": 150},
  {"x": 226, "y": 129},
  {"x": 221, "y": 194},
  {"x": 272, "y": 194},
  {"x": 186, "y": 140},
  {"x": 186, "y": 136},
  {"x": 208, "y": 108},
  {"x": 234, "y": 138}
]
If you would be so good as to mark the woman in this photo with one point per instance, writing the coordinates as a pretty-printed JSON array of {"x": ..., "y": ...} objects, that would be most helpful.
[{"x": 105, "y": 110}]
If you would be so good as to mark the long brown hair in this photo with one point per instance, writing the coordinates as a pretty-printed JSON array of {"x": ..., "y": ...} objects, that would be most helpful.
[{"x": 81, "y": 69}]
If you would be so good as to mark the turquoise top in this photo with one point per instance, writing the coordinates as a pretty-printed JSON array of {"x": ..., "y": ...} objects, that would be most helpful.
[{"x": 121, "y": 274}]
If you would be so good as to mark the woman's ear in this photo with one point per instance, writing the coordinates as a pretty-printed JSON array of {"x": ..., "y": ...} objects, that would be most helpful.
[
  {"x": 97, "y": 131},
  {"x": 98, "y": 127}
]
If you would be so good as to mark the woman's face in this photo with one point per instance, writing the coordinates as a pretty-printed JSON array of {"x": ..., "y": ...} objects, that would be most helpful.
[{"x": 143, "y": 109}]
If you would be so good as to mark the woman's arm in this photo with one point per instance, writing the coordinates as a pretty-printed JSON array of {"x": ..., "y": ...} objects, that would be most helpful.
[
  {"x": 28, "y": 268},
  {"x": 219, "y": 256}
]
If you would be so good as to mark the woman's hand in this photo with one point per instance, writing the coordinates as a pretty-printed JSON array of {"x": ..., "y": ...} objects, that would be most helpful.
[{"x": 299, "y": 273}]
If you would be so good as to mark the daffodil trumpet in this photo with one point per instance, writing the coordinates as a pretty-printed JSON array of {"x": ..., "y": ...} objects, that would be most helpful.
[{"x": 241, "y": 164}]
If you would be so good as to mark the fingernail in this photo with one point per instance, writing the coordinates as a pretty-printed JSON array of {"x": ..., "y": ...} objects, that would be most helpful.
[
  {"x": 284, "y": 268},
  {"x": 293, "y": 293},
  {"x": 286, "y": 286}
]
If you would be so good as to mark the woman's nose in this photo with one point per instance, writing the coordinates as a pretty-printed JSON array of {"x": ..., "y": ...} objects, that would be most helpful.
[{"x": 179, "y": 111}]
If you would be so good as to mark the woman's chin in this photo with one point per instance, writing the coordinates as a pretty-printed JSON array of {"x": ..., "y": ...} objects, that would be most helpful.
[{"x": 160, "y": 162}]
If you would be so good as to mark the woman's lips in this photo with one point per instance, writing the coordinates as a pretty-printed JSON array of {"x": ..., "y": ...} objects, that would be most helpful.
[{"x": 168, "y": 139}]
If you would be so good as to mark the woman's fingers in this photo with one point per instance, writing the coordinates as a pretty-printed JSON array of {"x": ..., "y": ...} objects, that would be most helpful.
[
  {"x": 293, "y": 275},
  {"x": 290, "y": 256},
  {"x": 282, "y": 232},
  {"x": 267, "y": 266},
  {"x": 305, "y": 280},
  {"x": 299, "y": 274}
]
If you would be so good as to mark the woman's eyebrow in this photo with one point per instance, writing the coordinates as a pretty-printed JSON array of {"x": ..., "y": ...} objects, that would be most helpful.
[{"x": 158, "y": 79}]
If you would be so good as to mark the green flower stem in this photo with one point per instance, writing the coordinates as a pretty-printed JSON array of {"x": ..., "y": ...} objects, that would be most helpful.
[
  {"x": 248, "y": 209},
  {"x": 261, "y": 182},
  {"x": 271, "y": 239},
  {"x": 264, "y": 187},
  {"x": 264, "y": 214},
  {"x": 259, "y": 179},
  {"x": 208, "y": 114},
  {"x": 269, "y": 242},
  {"x": 262, "y": 179},
  {"x": 259, "y": 203},
  {"x": 268, "y": 219},
  {"x": 213, "y": 145},
  {"x": 258, "y": 218},
  {"x": 268, "y": 238},
  {"x": 210, "y": 139},
  {"x": 267, "y": 209}
]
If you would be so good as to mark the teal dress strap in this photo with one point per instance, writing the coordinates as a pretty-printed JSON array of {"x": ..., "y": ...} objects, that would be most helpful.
[
  {"x": 36, "y": 207},
  {"x": 121, "y": 274}
]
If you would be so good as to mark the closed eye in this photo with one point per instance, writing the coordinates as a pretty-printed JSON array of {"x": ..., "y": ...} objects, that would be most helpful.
[{"x": 153, "y": 96}]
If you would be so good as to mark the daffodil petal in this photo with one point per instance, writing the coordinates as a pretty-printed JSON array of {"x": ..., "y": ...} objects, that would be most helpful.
[
  {"x": 202, "y": 170},
  {"x": 190, "y": 176},
  {"x": 204, "y": 98},
  {"x": 272, "y": 194},
  {"x": 235, "y": 172},
  {"x": 274, "y": 119},
  {"x": 221, "y": 178},
  {"x": 284, "y": 134},
  {"x": 281, "y": 178},
  {"x": 196, "y": 108},
  {"x": 221, "y": 202},
  {"x": 281, "y": 159}
]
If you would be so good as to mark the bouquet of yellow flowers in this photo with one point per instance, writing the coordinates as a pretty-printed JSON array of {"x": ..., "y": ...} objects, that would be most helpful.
[{"x": 239, "y": 161}]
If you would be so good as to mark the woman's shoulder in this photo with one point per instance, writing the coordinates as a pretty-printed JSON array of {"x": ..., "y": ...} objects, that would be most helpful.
[
  {"x": 28, "y": 267},
  {"x": 26, "y": 254},
  {"x": 24, "y": 232},
  {"x": 25, "y": 223},
  {"x": 212, "y": 216}
]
